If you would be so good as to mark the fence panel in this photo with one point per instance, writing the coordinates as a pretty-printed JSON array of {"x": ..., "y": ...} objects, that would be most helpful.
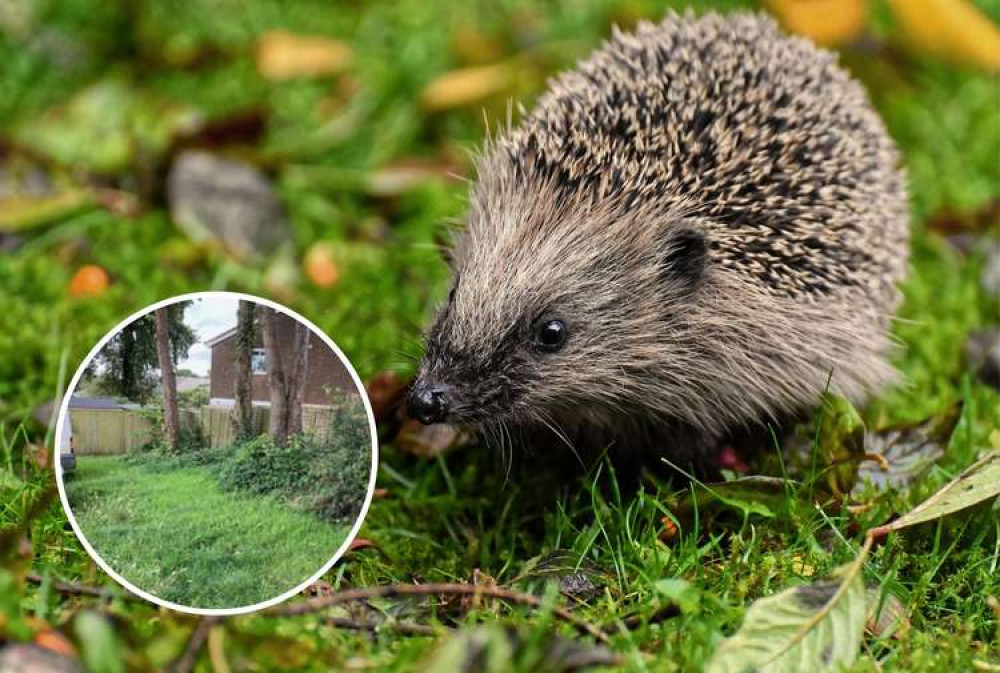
[
  {"x": 104, "y": 431},
  {"x": 107, "y": 431},
  {"x": 217, "y": 422}
]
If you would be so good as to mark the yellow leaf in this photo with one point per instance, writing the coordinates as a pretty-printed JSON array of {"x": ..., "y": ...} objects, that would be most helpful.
[
  {"x": 282, "y": 55},
  {"x": 825, "y": 22},
  {"x": 950, "y": 29},
  {"x": 464, "y": 87}
]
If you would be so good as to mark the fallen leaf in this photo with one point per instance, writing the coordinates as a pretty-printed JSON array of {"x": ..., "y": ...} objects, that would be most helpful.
[
  {"x": 759, "y": 495},
  {"x": 498, "y": 648},
  {"x": 282, "y": 55},
  {"x": 405, "y": 176},
  {"x": 978, "y": 483},
  {"x": 55, "y": 641},
  {"x": 21, "y": 213},
  {"x": 361, "y": 543},
  {"x": 669, "y": 532},
  {"x": 320, "y": 266},
  {"x": 975, "y": 221},
  {"x": 826, "y": 22},
  {"x": 815, "y": 627},
  {"x": 429, "y": 441},
  {"x": 578, "y": 577},
  {"x": 89, "y": 280},
  {"x": 801, "y": 568},
  {"x": 318, "y": 588},
  {"x": 908, "y": 451},
  {"x": 460, "y": 88},
  {"x": 385, "y": 393},
  {"x": 954, "y": 30},
  {"x": 886, "y": 615}
]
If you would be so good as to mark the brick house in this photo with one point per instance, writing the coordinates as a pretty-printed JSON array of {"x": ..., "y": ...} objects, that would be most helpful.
[{"x": 325, "y": 371}]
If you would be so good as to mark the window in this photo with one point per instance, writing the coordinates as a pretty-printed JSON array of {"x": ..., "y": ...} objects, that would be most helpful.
[{"x": 258, "y": 361}]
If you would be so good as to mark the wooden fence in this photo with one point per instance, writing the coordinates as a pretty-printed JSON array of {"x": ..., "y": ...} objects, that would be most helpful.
[
  {"x": 217, "y": 422},
  {"x": 98, "y": 431}
]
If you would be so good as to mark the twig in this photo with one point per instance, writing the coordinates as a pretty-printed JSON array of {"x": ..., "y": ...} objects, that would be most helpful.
[
  {"x": 77, "y": 589},
  {"x": 398, "y": 590},
  {"x": 186, "y": 662},
  {"x": 404, "y": 628}
]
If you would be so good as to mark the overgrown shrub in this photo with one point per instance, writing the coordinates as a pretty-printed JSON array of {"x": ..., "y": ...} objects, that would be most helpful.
[{"x": 327, "y": 477}]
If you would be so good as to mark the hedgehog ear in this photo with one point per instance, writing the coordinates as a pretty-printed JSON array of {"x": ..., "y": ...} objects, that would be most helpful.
[{"x": 683, "y": 259}]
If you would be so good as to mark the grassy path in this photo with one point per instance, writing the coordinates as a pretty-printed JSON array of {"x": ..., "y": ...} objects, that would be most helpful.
[{"x": 178, "y": 536}]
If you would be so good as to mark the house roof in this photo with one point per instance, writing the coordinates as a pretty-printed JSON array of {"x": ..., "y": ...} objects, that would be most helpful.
[
  {"x": 185, "y": 383},
  {"x": 79, "y": 402},
  {"x": 219, "y": 338}
]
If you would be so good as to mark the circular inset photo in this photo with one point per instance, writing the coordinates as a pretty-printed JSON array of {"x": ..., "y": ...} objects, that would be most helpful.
[{"x": 217, "y": 453}]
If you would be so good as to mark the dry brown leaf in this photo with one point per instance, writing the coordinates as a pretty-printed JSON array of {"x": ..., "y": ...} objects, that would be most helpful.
[
  {"x": 90, "y": 280},
  {"x": 361, "y": 543},
  {"x": 459, "y": 88},
  {"x": 950, "y": 29},
  {"x": 404, "y": 176},
  {"x": 429, "y": 441},
  {"x": 282, "y": 55},
  {"x": 385, "y": 393},
  {"x": 54, "y": 641},
  {"x": 886, "y": 615},
  {"x": 318, "y": 588},
  {"x": 320, "y": 265},
  {"x": 669, "y": 532},
  {"x": 826, "y": 22}
]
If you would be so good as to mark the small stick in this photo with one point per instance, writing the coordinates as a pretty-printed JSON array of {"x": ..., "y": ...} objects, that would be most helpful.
[
  {"x": 404, "y": 628},
  {"x": 77, "y": 589},
  {"x": 399, "y": 590},
  {"x": 186, "y": 662}
]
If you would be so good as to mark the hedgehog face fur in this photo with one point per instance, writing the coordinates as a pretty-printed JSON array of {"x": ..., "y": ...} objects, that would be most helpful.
[{"x": 702, "y": 225}]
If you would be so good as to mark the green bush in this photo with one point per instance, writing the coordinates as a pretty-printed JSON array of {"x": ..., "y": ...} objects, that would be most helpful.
[{"x": 327, "y": 477}]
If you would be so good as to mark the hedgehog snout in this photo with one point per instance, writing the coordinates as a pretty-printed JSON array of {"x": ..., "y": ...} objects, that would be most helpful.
[{"x": 429, "y": 402}]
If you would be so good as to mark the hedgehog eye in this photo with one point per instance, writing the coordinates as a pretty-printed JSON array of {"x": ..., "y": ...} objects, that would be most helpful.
[{"x": 550, "y": 336}]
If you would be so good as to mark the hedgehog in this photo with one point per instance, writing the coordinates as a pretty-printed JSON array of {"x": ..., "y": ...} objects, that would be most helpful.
[{"x": 698, "y": 231}]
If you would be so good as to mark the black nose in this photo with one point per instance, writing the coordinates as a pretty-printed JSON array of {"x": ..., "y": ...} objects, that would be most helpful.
[{"x": 428, "y": 403}]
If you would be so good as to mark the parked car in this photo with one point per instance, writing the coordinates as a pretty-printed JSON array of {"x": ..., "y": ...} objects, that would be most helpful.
[{"x": 67, "y": 454}]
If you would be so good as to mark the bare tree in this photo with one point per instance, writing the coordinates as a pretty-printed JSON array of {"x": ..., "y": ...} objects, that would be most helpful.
[
  {"x": 245, "y": 337},
  {"x": 286, "y": 379},
  {"x": 168, "y": 381}
]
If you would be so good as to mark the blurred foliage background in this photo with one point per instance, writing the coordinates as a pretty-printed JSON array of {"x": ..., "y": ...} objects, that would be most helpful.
[{"x": 350, "y": 126}]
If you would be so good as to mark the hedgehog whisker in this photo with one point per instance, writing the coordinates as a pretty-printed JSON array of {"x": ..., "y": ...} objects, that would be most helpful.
[{"x": 545, "y": 418}]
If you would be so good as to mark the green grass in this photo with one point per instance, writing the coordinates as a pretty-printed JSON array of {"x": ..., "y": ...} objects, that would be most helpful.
[
  {"x": 444, "y": 519},
  {"x": 176, "y": 535}
]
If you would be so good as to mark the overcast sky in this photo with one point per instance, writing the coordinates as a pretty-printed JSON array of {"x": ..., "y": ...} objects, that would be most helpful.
[{"x": 208, "y": 317}]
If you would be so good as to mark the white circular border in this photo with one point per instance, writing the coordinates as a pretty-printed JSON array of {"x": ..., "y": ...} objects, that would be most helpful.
[{"x": 64, "y": 407}]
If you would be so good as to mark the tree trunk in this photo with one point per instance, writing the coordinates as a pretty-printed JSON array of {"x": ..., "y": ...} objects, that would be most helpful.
[
  {"x": 286, "y": 378},
  {"x": 243, "y": 410},
  {"x": 276, "y": 385},
  {"x": 297, "y": 379},
  {"x": 168, "y": 382}
]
